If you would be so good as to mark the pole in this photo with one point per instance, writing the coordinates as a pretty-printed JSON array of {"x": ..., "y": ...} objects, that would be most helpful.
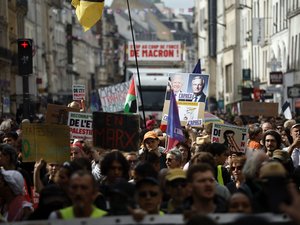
[
  {"x": 26, "y": 101},
  {"x": 137, "y": 65}
]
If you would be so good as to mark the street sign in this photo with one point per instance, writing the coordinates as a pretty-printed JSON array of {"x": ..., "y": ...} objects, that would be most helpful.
[
  {"x": 272, "y": 89},
  {"x": 276, "y": 77},
  {"x": 293, "y": 92}
]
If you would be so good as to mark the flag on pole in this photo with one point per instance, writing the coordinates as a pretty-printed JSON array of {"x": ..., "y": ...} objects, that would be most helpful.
[
  {"x": 88, "y": 12},
  {"x": 174, "y": 130},
  {"x": 130, "y": 102},
  {"x": 197, "y": 68},
  {"x": 286, "y": 109}
]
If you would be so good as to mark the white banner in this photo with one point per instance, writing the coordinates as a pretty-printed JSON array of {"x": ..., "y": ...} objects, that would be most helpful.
[{"x": 155, "y": 51}]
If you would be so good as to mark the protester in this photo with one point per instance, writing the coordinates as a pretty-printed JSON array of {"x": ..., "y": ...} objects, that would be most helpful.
[
  {"x": 176, "y": 187},
  {"x": 203, "y": 198},
  {"x": 82, "y": 191},
  {"x": 239, "y": 202},
  {"x": 14, "y": 206},
  {"x": 294, "y": 148}
]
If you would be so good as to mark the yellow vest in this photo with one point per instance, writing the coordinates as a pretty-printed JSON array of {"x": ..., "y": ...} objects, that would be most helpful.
[
  {"x": 68, "y": 213},
  {"x": 219, "y": 175}
]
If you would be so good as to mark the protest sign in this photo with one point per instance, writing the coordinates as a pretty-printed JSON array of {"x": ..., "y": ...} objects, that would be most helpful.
[
  {"x": 78, "y": 92},
  {"x": 234, "y": 137},
  {"x": 48, "y": 141},
  {"x": 81, "y": 125},
  {"x": 258, "y": 108},
  {"x": 190, "y": 90},
  {"x": 58, "y": 114},
  {"x": 113, "y": 97},
  {"x": 116, "y": 131}
]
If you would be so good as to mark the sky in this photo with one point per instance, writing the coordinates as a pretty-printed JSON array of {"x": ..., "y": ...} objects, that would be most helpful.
[{"x": 175, "y": 4}]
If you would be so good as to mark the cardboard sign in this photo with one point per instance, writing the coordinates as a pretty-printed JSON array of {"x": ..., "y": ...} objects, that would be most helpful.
[
  {"x": 116, "y": 131},
  {"x": 155, "y": 51},
  {"x": 48, "y": 141},
  {"x": 81, "y": 125},
  {"x": 234, "y": 137},
  {"x": 258, "y": 109},
  {"x": 58, "y": 114},
  {"x": 191, "y": 91},
  {"x": 113, "y": 97},
  {"x": 78, "y": 92}
]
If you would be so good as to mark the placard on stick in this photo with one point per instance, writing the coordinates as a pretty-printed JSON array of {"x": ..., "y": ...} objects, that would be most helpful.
[
  {"x": 48, "y": 141},
  {"x": 78, "y": 92},
  {"x": 81, "y": 125},
  {"x": 116, "y": 131},
  {"x": 234, "y": 137}
]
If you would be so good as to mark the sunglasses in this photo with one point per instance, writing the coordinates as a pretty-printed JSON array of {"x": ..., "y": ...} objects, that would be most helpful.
[
  {"x": 178, "y": 184},
  {"x": 237, "y": 167},
  {"x": 144, "y": 194}
]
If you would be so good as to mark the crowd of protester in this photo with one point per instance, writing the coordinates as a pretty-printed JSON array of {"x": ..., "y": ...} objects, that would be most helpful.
[{"x": 194, "y": 179}]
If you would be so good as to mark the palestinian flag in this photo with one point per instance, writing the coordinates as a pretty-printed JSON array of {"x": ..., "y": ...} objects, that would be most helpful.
[
  {"x": 88, "y": 12},
  {"x": 131, "y": 103}
]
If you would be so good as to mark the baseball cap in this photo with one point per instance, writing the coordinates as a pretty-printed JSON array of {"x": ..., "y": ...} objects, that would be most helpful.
[
  {"x": 14, "y": 180},
  {"x": 146, "y": 180},
  {"x": 174, "y": 174},
  {"x": 295, "y": 125},
  {"x": 272, "y": 169},
  {"x": 150, "y": 134}
]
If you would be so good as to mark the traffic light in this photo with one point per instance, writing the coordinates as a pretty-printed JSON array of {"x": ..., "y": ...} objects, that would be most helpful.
[{"x": 25, "y": 56}]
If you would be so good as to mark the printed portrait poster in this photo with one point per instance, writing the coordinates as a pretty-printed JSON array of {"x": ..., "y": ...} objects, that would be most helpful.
[
  {"x": 81, "y": 125},
  {"x": 113, "y": 97},
  {"x": 78, "y": 92},
  {"x": 191, "y": 91},
  {"x": 234, "y": 137}
]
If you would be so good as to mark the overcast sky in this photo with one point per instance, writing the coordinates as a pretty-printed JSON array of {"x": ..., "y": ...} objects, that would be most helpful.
[{"x": 175, "y": 4}]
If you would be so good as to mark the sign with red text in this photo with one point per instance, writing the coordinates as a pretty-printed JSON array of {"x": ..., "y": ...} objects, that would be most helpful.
[
  {"x": 113, "y": 97},
  {"x": 116, "y": 131},
  {"x": 78, "y": 92},
  {"x": 81, "y": 125},
  {"x": 234, "y": 137},
  {"x": 155, "y": 51}
]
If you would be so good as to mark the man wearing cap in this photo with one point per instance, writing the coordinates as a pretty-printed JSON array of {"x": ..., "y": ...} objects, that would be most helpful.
[
  {"x": 14, "y": 205},
  {"x": 151, "y": 144},
  {"x": 176, "y": 186},
  {"x": 294, "y": 148}
]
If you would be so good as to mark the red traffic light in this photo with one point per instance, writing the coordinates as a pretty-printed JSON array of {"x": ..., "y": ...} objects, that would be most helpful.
[{"x": 24, "y": 44}]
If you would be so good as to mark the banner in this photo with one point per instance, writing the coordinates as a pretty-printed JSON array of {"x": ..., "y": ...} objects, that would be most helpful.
[
  {"x": 81, "y": 125},
  {"x": 78, "y": 92},
  {"x": 48, "y": 141},
  {"x": 116, "y": 131},
  {"x": 190, "y": 90},
  {"x": 234, "y": 137},
  {"x": 58, "y": 114},
  {"x": 113, "y": 97},
  {"x": 155, "y": 51},
  {"x": 248, "y": 108}
]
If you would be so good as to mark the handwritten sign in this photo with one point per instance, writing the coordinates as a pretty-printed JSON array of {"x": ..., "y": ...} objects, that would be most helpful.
[
  {"x": 113, "y": 97},
  {"x": 58, "y": 114},
  {"x": 78, "y": 92},
  {"x": 116, "y": 131},
  {"x": 48, "y": 141},
  {"x": 234, "y": 137},
  {"x": 81, "y": 125}
]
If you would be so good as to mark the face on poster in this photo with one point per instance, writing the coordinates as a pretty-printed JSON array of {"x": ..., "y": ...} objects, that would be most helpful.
[
  {"x": 234, "y": 137},
  {"x": 190, "y": 91}
]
